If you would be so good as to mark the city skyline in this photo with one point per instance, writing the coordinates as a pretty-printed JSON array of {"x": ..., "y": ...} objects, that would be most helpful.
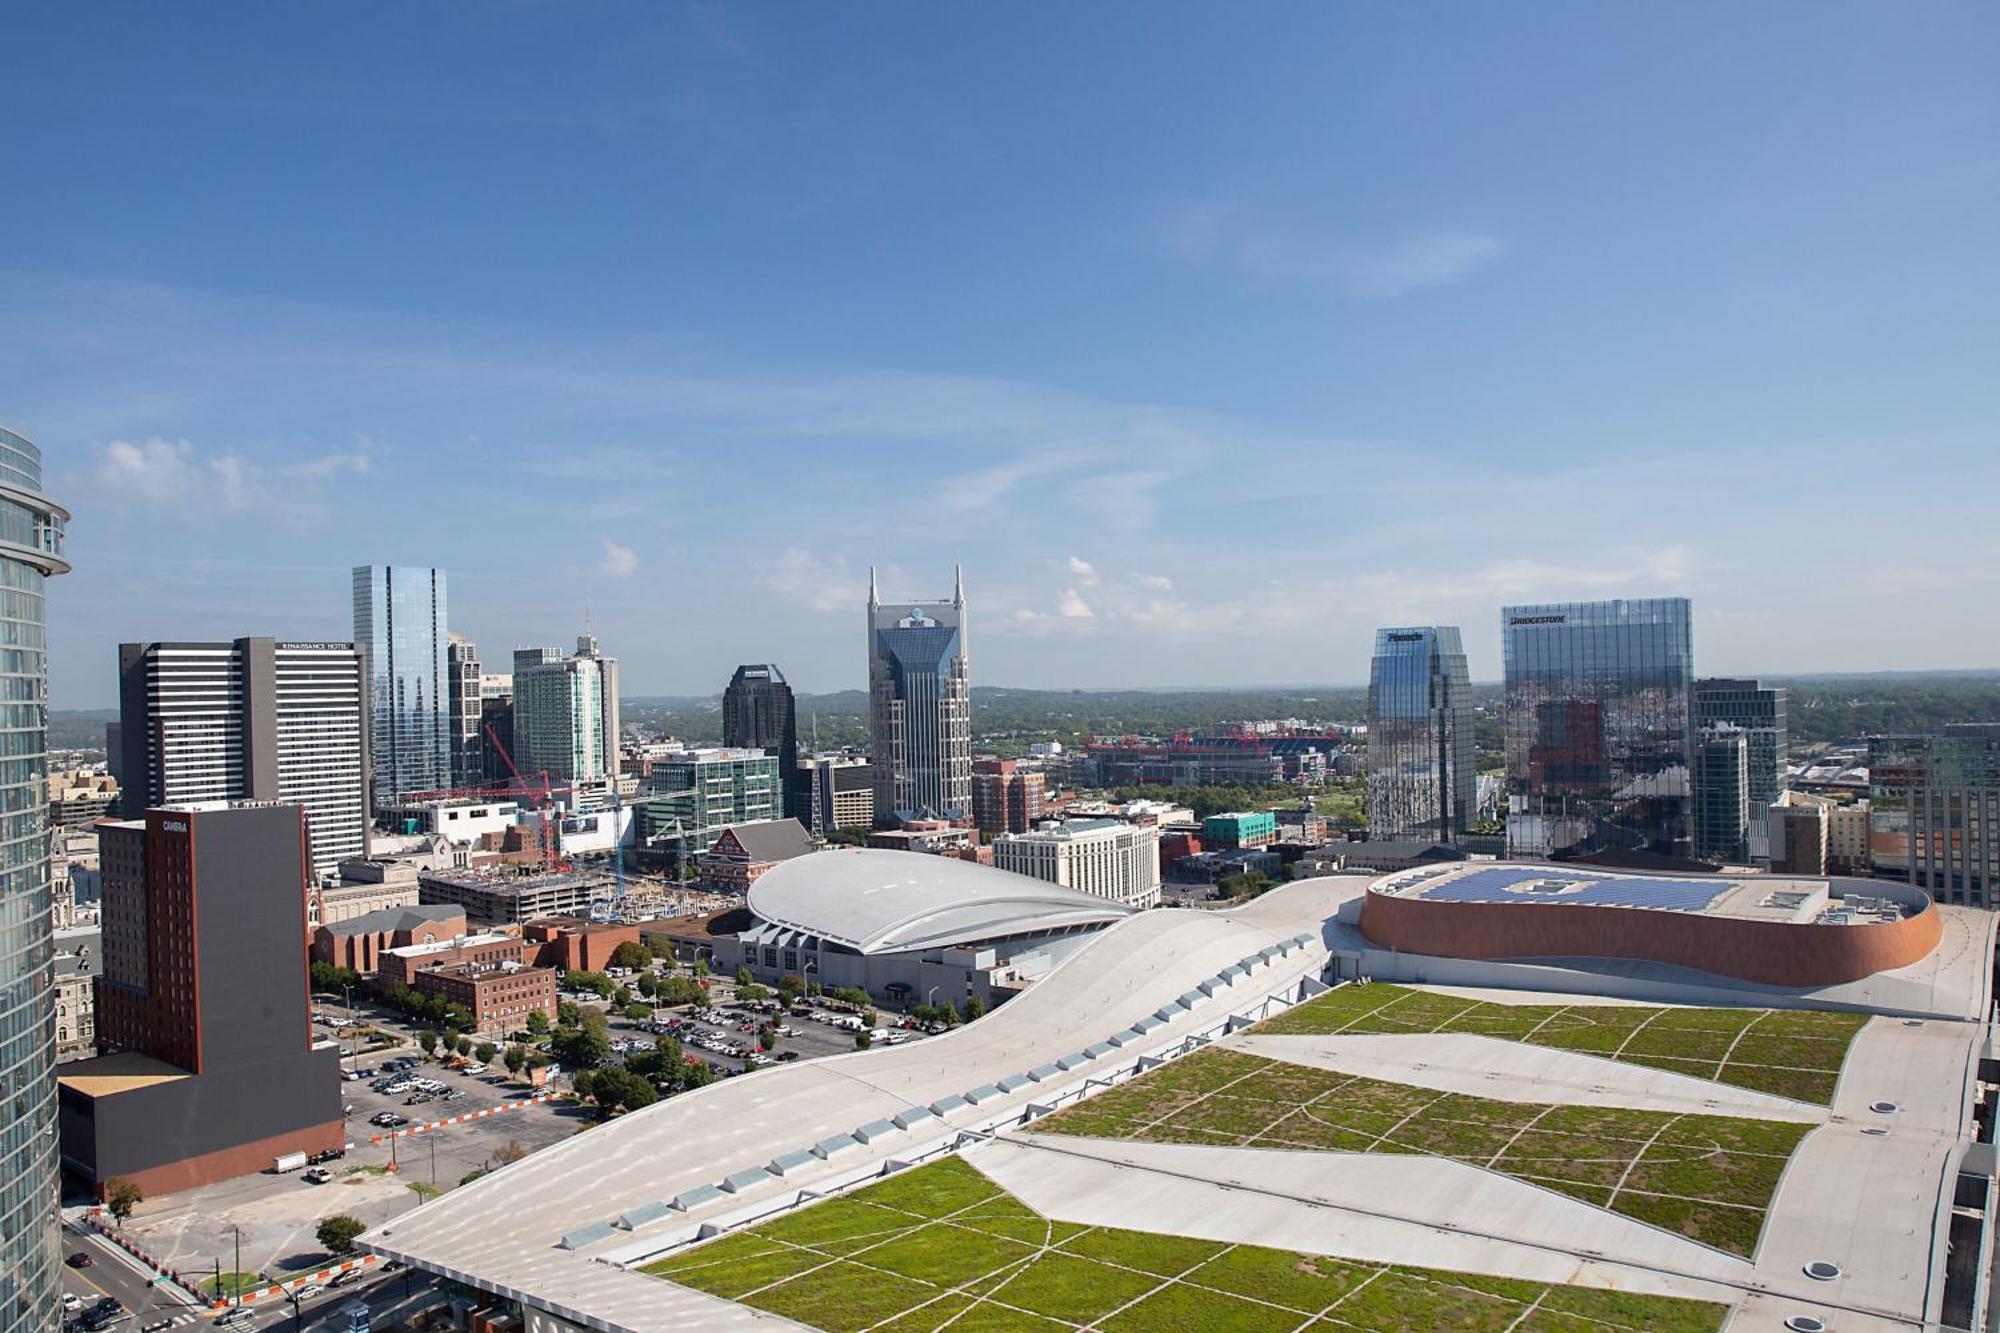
[{"x": 1447, "y": 316}]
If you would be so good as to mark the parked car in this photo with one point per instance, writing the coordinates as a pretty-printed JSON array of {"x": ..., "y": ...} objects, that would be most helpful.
[
  {"x": 80, "y": 1260},
  {"x": 71, "y": 1302},
  {"x": 309, "y": 1290},
  {"x": 317, "y": 1175}
]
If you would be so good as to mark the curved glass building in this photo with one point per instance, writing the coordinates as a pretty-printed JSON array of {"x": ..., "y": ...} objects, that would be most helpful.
[
  {"x": 1422, "y": 774},
  {"x": 31, "y": 542}
]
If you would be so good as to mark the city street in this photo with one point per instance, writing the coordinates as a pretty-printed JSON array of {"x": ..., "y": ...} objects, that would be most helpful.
[{"x": 390, "y": 1295}]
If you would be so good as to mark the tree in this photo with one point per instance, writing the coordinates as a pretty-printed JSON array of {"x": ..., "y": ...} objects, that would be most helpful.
[
  {"x": 506, "y": 1154},
  {"x": 767, "y": 1038},
  {"x": 634, "y": 956},
  {"x": 870, "y": 1019},
  {"x": 584, "y": 1047},
  {"x": 791, "y": 986},
  {"x": 484, "y": 1052},
  {"x": 621, "y": 997},
  {"x": 331, "y": 980},
  {"x": 121, "y": 1196},
  {"x": 638, "y": 1013},
  {"x": 1246, "y": 885},
  {"x": 337, "y": 1233},
  {"x": 701, "y": 967},
  {"x": 538, "y": 1023},
  {"x": 647, "y": 985},
  {"x": 743, "y": 977},
  {"x": 568, "y": 1013},
  {"x": 428, "y": 1040},
  {"x": 463, "y": 1045},
  {"x": 615, "y": 1089},
  {"x": 595, "y": 982},
  {"x": 517, "y": 1060},
  {"x": 680, "y": 990},
  {"x": 974, "y": 1007},
  {"x": 752, "y": 993},
  {"x": 862, "y": 1040}
]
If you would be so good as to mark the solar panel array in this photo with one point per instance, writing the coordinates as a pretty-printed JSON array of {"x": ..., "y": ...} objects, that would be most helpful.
[{"x": 1521, "y": 884}]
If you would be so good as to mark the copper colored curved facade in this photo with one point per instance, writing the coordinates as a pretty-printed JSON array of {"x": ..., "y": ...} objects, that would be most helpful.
[{"x": 1770, "y": 953}]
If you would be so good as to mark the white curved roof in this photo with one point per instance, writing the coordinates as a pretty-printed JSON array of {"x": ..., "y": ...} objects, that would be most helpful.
[{"x": 878, "y": 901}]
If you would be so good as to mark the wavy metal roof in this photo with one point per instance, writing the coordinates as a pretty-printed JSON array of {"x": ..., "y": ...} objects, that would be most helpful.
[{"x": 878, "y": 901}]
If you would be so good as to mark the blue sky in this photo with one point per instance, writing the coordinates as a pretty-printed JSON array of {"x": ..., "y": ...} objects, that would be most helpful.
[{"x": 1208, "y": 337}]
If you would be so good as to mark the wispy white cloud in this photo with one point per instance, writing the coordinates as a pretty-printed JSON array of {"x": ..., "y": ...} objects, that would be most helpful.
[
  {"x": 1083, "y": 569},
  {"x": 817, "y": 582},
  {"x": 620, "y": 562},
  {"x": 175, "y": 479},
  {"x": 1222, "y": 233},
  {"x": 1071, "y": 606}
]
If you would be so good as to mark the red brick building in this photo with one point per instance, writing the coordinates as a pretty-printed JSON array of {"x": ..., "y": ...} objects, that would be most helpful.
[
  {"x": 742, "y": 852},
  {"x": 359, "y": 942},
  {"x": 573, "y": 944},
  {"x": 499, "y": 996},
  {"x": 1006, "y": 798},
  {"x": 403, "y": 966}
]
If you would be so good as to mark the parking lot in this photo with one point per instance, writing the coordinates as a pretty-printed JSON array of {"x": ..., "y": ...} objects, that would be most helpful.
[
  {"x": 277, "y": 1215},
  {"x": 273, "y": 1217}
]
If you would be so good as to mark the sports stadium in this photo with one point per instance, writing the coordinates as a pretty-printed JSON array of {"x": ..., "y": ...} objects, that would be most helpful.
[{"x": 1291, "y": 1115}]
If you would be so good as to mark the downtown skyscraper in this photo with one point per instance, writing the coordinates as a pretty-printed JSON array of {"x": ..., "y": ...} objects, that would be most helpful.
[
  {"x": 31, "y": 548},
  {"x": 919, "y": 707},
  {"x": 1599, "y": 726},
  {"x": 249, "y": 719},
  {"x": 400, "y": 627},
  {"x": 758, "y": 712},
  {"x": 1422, "y": 775}
]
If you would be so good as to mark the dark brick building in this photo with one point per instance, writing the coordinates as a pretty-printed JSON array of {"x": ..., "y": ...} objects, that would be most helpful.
[{"x": 211, "y": 1068}]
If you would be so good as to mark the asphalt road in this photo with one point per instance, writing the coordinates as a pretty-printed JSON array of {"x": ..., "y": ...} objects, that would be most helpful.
[{"x": 112, "y": 1272}]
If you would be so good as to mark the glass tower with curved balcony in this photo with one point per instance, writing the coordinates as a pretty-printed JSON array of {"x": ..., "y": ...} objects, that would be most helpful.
[{"x": 31, "y": 542}]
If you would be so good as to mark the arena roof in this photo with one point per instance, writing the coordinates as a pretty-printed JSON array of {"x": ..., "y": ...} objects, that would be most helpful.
[
  {"x": 878, "y": 901},
  {"x": 1754, "y": 897}
]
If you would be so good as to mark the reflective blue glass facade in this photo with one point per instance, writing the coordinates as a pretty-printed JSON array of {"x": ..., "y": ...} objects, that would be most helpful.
[
  {"x": 1422, "y": 776},
  {"x": 399, "y": 624},
  {"x": 31, "y": 538},
  {"x": 919, "y": 708},
  {"x": 1599, "y": 725}
]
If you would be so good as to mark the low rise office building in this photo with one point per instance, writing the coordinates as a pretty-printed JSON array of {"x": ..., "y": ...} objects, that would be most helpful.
[
  {"x": 573, "y": 944},
  {"x": 499, "y": 996},
  {"x": 1238, "y": 829},
  {"x": 404, "y": 966}
]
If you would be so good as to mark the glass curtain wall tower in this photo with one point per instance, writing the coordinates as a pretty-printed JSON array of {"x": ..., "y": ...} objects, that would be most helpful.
[
  {"x": 31, "y": 547},
  {"x": 399, "y": 624},
  {"x": 1422, "y": 776},
  {"x": 919, "y": 707},
  {"x": 1599, "y": 726},
  {"x": 758, "y": 712}
]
